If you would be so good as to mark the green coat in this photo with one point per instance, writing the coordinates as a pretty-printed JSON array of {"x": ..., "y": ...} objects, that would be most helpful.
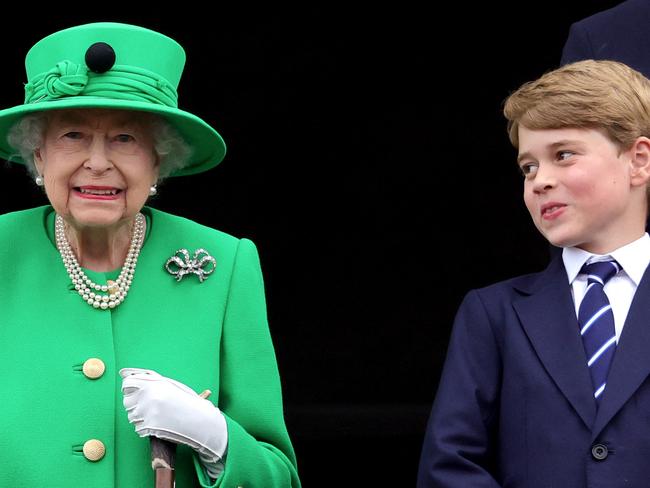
[{"x": 207, "y": 335}]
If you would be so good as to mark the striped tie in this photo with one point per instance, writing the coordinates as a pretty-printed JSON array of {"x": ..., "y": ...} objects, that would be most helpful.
[{"x": 597, "y": 323}]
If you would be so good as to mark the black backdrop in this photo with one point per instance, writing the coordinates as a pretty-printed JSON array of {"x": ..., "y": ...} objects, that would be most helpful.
[{"x": 368, "y": 160}]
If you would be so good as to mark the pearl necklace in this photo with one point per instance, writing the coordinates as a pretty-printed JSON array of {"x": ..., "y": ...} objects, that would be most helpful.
[{"x": 112, "y": 293}]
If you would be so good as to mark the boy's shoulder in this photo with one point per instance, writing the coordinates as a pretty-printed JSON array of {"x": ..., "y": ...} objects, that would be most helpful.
[
  {"x": 500, "y": 304},
  {"x": 524, "y": 281},
  {"x": 527, "y": 284}
]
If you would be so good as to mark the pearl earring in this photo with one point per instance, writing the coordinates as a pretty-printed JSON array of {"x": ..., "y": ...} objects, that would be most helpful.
[
  {"x": 153, "y": 190},
  {"x": 39, "y": 180}
]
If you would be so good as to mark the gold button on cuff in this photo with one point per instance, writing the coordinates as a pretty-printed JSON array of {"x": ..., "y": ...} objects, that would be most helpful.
[
  {"x": 94, "y": 368},
  {"x": 94, "y": 450}
]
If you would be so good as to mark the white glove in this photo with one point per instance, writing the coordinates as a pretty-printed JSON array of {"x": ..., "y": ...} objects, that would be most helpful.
[{"x": 170, "y": 410}]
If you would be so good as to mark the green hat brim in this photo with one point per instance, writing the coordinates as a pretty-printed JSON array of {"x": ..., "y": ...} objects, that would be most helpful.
[{"x": 208, "y": 148}]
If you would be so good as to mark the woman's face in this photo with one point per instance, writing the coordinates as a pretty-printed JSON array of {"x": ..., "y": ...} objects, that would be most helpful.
[{"x": 97, "y": 165}]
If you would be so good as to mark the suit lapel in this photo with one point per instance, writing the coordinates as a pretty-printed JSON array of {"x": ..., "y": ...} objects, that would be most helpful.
[
  {"x": 631, "y": 364},
  {"x": 547, "y": 314}
]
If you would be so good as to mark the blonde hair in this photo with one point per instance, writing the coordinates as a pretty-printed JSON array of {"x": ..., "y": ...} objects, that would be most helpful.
[{"x": 605, "y": 95}]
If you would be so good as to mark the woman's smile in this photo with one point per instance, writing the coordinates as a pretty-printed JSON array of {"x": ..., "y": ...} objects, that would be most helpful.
[{"x": 95, "y": 192}]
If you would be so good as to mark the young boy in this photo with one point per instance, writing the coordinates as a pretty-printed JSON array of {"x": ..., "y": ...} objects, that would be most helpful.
[{"x": 546, "y": 381}]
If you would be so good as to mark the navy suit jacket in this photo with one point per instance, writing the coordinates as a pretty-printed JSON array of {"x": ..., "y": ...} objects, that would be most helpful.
[
  {"x": 515, "y": 405},
  {"x": 619, "y": 33}
]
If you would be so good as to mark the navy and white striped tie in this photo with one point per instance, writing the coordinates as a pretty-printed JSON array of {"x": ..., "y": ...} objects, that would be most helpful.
[{"x": 597, "y": 323}]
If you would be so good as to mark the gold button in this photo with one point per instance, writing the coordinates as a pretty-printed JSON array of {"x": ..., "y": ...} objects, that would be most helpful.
[
  {"x": 94, "y": 368},
  {"x": 94, "y": 450}
]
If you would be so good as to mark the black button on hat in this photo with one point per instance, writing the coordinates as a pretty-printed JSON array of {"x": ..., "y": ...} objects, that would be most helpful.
[{"x": 100, "y": 57}]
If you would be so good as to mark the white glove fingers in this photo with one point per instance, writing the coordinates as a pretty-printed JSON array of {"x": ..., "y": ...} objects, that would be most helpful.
[
  {"x": 146, "y": 381},
  {"x": 129, "y": 390},
  {"x": 134, "y": 415},
  {"x": 182, "y": 387},
  {"x": 124, "y": 372},
  {"x": 130, "y": 410},
  {"x": 168, "y": 409}
]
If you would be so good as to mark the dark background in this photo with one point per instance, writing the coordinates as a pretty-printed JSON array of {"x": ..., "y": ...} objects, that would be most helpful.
[{"x": 368, "y": 160}]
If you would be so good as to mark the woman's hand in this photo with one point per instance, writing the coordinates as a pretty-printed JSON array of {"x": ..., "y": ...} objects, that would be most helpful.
[{"x": 161, "y": 407}]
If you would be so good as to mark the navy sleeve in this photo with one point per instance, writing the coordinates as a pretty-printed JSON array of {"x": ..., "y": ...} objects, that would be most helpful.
[{"x": 460, "y": 440}]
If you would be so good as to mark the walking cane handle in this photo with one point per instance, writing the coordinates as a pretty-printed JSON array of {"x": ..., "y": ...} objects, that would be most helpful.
[{"x": 162, "y": 457}]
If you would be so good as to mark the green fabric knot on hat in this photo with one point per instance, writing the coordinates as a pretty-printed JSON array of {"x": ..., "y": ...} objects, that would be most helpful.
[{"x": 65, "y": 79}]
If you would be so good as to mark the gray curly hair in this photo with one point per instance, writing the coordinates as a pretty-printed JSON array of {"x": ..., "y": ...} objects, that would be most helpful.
[{"x": 173, "y": 152}]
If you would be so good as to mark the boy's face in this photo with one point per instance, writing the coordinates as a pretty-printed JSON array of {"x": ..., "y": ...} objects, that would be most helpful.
[{"x": 579, "y": 190}]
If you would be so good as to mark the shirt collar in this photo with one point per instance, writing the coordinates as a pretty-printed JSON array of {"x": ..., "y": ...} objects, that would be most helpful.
[{"x": 633, "y": 257}]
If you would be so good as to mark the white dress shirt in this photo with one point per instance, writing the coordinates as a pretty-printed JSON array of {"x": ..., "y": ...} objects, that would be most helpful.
[{"x": 633, "y": 258}]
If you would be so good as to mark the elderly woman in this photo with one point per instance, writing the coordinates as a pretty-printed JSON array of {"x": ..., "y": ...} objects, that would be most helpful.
[{"x": 115, "y": 314}]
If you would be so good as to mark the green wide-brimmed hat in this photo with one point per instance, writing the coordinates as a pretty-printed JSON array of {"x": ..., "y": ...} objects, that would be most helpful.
[{"x": 115, "y": 66}]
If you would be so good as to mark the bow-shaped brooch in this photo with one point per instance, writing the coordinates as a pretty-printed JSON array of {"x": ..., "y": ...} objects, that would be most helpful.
[{"x": 201, "y": 264}]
